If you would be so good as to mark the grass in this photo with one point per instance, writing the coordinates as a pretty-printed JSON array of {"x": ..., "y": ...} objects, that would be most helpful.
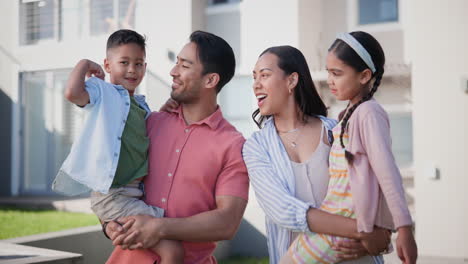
[
  {"x": 244, "y": 260},
  {"x": 17, "y": 222}
]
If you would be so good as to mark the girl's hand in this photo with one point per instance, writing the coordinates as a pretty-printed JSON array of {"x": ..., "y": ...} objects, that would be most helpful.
[
  {"x": 377, "y": 241},
  {"x": 170, "y": 105},
  {"x": 94, "y": 69},
  {"x": 406, "y": 245}
]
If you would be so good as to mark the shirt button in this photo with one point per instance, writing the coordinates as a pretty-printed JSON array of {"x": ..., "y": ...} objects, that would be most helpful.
[
  {"x": 177, "y": 150},
  {"x": 169, "y": 174},
  {"x": 163, "y": 200},
  {"x": 126, "y": 103},
  {"x": 187, "y": 130},
  {"x": 116, "y": 154},
  {"x": 123, "y": 121},
  {"x": 119, "y": 138}
]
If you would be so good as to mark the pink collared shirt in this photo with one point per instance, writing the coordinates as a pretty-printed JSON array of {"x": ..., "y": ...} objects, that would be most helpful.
[{"x": 189, "y": 165}]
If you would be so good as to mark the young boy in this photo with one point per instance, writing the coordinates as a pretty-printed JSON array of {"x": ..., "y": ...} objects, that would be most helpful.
[{"x": 110, "y": 156}]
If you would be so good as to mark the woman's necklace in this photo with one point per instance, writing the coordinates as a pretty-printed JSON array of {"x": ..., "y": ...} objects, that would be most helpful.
[{"x": 292, "y": 142}]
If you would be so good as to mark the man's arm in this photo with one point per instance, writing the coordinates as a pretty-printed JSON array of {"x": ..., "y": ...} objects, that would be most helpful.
[
  {"x": 218, "y": 224},
  {"x": 75, "y": 90}
]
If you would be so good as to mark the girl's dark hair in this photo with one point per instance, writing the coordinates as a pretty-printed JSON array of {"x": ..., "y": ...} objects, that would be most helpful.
[
  {"x": 347, "y": 54},
  {"x": 292, "y": 60}
]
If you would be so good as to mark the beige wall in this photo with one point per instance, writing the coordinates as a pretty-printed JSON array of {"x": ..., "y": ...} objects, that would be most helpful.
[
  {"x": 440, "y": 60},
  {"x": 167, "y": 26},
  {"x": 266, "y": 23}
]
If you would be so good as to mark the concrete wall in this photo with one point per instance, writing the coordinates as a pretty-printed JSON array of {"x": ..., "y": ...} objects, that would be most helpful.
[
  {"x": 88, "y": 241},
  {"x": 9, "y": 66},
  {"x": 440, "y": 107}
]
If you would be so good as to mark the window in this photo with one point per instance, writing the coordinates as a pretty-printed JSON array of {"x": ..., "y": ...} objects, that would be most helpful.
[
  {"x": 39, "y": 20},
  {"x": 50, "y": 124},
  {"x": 110, "y": 15},
  {"x": 217, "y": 2},
  {"x": 377, "y": 11}
]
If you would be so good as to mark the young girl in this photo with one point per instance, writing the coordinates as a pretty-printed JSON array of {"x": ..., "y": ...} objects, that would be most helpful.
[{"x": 365, "y": 182}]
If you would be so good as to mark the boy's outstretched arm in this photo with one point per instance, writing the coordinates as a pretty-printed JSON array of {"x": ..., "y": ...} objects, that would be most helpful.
[{"x": 75, "y": 90}]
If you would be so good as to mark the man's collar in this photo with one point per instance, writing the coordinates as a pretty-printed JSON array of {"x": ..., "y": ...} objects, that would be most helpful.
[{"x": 212, "y": 120}]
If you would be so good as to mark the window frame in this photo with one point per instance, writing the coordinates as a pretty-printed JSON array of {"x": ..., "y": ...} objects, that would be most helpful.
[
  {"x": 57, "y": 24},
  {"x": 353, "y": 19}
]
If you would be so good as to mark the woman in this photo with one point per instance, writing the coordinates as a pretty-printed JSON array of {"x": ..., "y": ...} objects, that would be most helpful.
[{"x": 287, "y": 159}]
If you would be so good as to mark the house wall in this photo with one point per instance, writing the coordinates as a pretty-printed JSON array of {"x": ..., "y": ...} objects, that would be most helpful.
[{"x": 439, "y": 66}]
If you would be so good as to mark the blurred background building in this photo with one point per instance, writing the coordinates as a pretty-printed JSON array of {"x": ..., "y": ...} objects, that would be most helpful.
[{"x": 424, "y": 88}]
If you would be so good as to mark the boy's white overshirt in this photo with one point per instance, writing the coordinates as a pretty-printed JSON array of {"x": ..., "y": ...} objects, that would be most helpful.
[{"x": 93, "y": 157}]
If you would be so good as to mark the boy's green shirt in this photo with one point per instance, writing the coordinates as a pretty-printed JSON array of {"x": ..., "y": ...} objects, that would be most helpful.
[{"x": 133, "y": 159}]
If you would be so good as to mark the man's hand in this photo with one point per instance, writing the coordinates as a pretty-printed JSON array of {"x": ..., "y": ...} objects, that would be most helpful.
[
  {"x": 143, "y": 232},
  {"x": 377, "y": 241},
  {"x": 406, "y": 246},
  {"x": 114, "y": 228}
]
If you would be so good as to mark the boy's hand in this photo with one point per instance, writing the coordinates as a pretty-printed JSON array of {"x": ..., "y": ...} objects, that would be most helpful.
[
  {"x": 406, "y": 246},
  {"x": 170, "y": 105},
  {"x": 94, "y": 69}
]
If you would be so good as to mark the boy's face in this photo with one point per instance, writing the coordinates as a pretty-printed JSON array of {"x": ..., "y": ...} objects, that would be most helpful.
[{"x": 126, "y": 65}]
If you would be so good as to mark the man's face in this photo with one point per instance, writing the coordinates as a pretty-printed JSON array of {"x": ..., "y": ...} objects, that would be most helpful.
[
  {"x": 187, "y": 75},
  {"x": 126, "y": 65}
]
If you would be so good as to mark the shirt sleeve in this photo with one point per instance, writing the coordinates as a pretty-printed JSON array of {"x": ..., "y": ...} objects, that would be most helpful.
[
  {"x": 233, "y": 179},
  {"x": 273, "y": 196},
  {"x": 92, "y": 86},
  {"x": 375, "y": 139}
]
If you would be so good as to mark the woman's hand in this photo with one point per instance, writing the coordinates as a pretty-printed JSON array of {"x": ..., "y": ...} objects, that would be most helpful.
[
  {"x": 376, "y": 241},
  {"x": 406, "y": 245},
  {"x": 349, "y": 250},
  {"x": 170, "y": 105}
]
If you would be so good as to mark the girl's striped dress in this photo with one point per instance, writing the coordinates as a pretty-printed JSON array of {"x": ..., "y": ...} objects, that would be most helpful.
[{"x": 316, "y": 248}]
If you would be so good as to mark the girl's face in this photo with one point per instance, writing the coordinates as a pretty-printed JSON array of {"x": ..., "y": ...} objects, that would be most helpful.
[
  {"x": 344, "y": 81},
  {"x": 271, "y": 85}
]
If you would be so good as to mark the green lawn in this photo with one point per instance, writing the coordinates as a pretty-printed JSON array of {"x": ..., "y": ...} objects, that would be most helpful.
[
  {"x": 244, "y": 260},
  {"x": 23, "y": 222}
]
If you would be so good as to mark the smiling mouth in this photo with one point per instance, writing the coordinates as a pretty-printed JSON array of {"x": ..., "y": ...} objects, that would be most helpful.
[{"x": 261, "y": 97}]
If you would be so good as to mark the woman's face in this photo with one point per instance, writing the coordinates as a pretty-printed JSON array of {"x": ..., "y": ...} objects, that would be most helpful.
[{"x": 270, "y": 85}]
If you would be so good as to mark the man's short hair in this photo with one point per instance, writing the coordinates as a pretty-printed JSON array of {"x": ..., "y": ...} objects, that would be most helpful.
[
  {"x": 215, "y": 55},
  {"x": 126, "y": 36}
]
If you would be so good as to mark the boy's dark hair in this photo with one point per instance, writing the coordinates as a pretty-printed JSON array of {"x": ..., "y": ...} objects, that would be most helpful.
[
  {"x": 215, "y": 55},
  {"x": 126, "y": 36},
  {"x": 347, "y": 54},
  {"x": 292, "y": 60}
]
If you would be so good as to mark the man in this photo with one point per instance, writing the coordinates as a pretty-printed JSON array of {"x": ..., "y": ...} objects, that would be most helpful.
[{"x": 196, "y": 172}]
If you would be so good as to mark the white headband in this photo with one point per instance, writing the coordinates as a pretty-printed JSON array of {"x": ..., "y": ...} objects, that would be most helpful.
[{"x": 358, "y": 48}]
